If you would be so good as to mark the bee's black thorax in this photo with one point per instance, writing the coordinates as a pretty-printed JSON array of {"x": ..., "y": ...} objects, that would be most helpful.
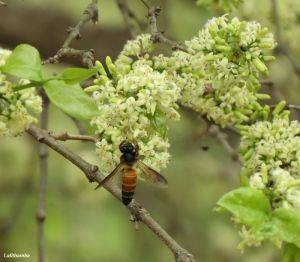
[
  {"x": 129, "y": 158},
  {"x": 129, "y": 153}
]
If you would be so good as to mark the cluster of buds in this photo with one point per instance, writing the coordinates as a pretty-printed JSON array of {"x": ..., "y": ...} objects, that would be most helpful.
[
  {"x": 271, "y": 156},
  {"x": 217, "y": 76}
]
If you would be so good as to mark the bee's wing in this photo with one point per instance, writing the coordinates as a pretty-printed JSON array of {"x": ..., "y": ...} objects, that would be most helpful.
[
  {"x": 119, "y": 167},
  {"x": 149, "y": 174}
]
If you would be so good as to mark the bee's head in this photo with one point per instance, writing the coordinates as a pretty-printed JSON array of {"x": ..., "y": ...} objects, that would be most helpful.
[{"x": 127, "y": 147}]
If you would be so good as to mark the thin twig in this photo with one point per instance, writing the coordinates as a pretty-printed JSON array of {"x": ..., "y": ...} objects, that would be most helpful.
[
  {"x": 65, "y": 136},
  {"x": 294, "y": 107},
  {"x": 156, "y": 35},
  {"x": 223, "y": 139},
  {"x": 267, "y": 83},
  {"x": 87, "y": 56},
  {"x": 80, "y": 128},
  {"x": 93, "y": 175},
  {"x": 288, "y": 106},
  {"x": 128, "y": 15},
  {"x": 89, "y": 14},
  {"x": 43, "y": 157}
]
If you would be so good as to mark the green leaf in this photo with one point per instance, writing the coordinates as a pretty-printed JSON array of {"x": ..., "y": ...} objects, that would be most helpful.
[
  {"x": 76, "y": 75},
  {"x": 71, "y": 99},
  {"x": 158, "y": 123},
  {"x": 250, "y": 206},
  {"x": 287, "y": 222},
  {"x": 24, "y": 62},
  {"x": 284, "y": 225},
  {"x": 291, "y": 253}
]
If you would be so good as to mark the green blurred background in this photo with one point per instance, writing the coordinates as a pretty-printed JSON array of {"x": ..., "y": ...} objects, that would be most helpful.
[{"x": 87, "y": 225}]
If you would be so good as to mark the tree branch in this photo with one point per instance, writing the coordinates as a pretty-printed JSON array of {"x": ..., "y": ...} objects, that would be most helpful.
[
  {"x": 65, "y": 136},
  {"x": 93, "y": 175},
  {"x": 43, "y": 156},
  {"x": 294, "y": 107},
  {"x": 288, "y": 106},
  {"x": 267, "y": 83},
  {"x": 156, "y": 35},
  {"x": 128, "y": 15},
  {"x": 89, "y": 14},
  {"x": 222, "y": 137}
]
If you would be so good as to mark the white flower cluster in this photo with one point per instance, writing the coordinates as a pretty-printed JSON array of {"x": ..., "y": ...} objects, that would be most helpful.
[
  {"x": 242, "y": 43},
  {"x": 225, "y": 87},
  {"x": 288, "y": 10},
  {"x": 219, "y": 75},
  {"x": 211, "y": 89},
  {"x": 271, "y": 157},
  {"x": 15, "y": 107},
  {"x": 134, "y": 107}
]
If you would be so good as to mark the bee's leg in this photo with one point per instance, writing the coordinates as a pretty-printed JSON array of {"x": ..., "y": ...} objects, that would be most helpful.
[{"x": 136, "y": 221}]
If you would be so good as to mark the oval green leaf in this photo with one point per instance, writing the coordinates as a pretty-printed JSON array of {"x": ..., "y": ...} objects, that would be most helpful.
[
  {"x": 291, "y": 253},
  {"x": 24, "y": 62},
  {"x": 71, "y": 99},
  {"x": 287, "y": 222},
  {"x": 251, "y": 207}
]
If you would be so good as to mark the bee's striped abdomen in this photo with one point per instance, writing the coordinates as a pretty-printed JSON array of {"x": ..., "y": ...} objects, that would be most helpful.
[{"x": 128, "y": 184}]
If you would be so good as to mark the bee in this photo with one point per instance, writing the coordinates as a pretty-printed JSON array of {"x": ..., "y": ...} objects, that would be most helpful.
[{"x": 129, "y": 160}]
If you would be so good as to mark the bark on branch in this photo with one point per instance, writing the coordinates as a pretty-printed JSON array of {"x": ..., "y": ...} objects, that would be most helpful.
[
  {"x": 43, "y": 161},
  {"x": 158, "y": 36},
  {"x": 65, "y": 136}
]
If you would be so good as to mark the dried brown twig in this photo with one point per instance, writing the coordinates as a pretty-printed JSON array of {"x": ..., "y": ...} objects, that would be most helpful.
[
  {"x": 43, "y": 160},
  {"x": 158, "y": 36},
  {"x": 289, "y": 106},
  {"x": 63, "y": 136},
  {"x": 223, "y": 139},
  {"x": 89, "y": 14},
  {"x": 129, "y": 17}
]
